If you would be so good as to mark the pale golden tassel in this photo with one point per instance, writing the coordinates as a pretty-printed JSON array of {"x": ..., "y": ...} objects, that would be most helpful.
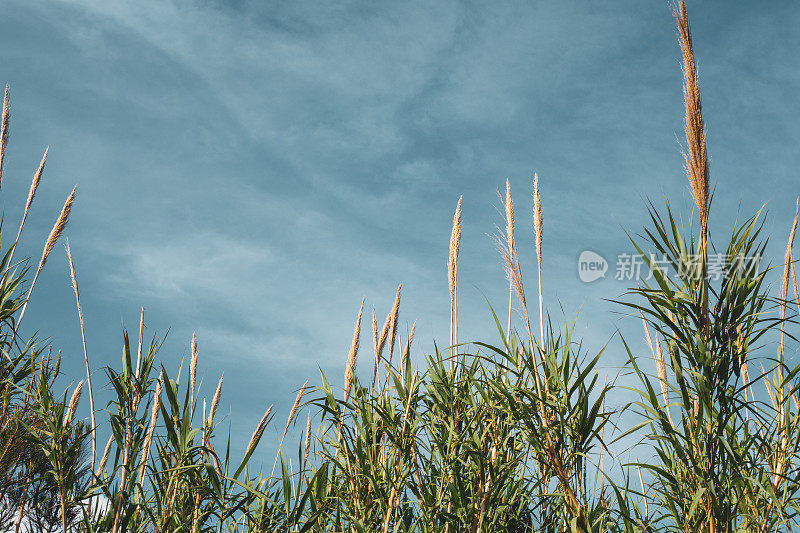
[
  {"x": 406, "y": 352},
  {"x": 215, "y": 401},
  {"x": 307, "y": 445},
  {"x": 538, "y": 227},
  {"x": 455, "y": 243},
  {"x": 258, "y": 431},
  {"x": 104, "y": 459},
  {"x": 696, "y": 157},
  {"x": 352, "y": 357},
  {"x": 73, "y": 403},
  {"x": 393, "y": 317},
  {"x": 388, "y": 328},
  {"x": 4, "y": 132},
  {"x": 295, "y": 407},
  {"x": 787, "y": 259},
  {"x": 658, "y": 356},
  {"x": 58, "y": 229},
  {"x": 193, "y": 367},
  {"x": 511, "y": 248},
  {"x": 452, "y": 276}
]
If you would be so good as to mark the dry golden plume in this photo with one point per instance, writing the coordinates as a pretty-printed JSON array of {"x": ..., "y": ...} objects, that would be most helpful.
[
  {"x": 661, "y": 368},
  {"x": 787, "y": 266},
  {"x": 352, "y": 357},
  {"x": 393, "y": 317},
  {"x": 455, "y": 242},
  {"x": 696, "y": 158},
  {"x": 537, "y": 218},
  {"x": 409, "y": 340},
  {"x": 193, "y": 366},
  {"x": 58, "y": 229},
  {"x": 307, "y": 445},
  {"x": 215, "y": 401},
  {"x": 104, "y": 459},
  {"x": 258, "y": 431},
  {"x": 4, "y": 132},
  {"x": 73, "y": 402}
]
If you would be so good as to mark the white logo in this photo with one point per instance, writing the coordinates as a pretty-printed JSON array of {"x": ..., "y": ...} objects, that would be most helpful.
[{"x": 591, "y": 266}]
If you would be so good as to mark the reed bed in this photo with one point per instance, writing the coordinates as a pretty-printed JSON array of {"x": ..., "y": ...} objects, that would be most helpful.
[{"x": 484, "y": 436}]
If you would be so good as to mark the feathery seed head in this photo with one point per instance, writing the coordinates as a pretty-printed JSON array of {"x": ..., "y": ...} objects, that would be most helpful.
[
  {"x": 193, "y": 364},
  {"x": 537, "y": 218},
  {"x": 307, "y": 445},
  {"x": 4, "y": 131},
  {"x": 215, "y": 401},
  {"x": 696, "y": 158},
  {"x": 295, "y": 406},
  {"x": 37, "y": 178},
  {"x": 455, "y": 241},
  {"x": 58, "y": 228},
  {"x": 405, "y": 353},
  {"x": 258, "y": 431},
  {"x": 509, "y": 205},
  {"x": 392, "y": 320},
  {"x": 104, "y": 459},
  {"x": 73, "y": 402},
  {"x": 353, "y": 355}
]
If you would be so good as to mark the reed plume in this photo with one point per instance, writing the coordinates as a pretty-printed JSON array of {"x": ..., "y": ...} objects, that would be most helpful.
[
  {"x": 353, "y": 355},
  {"x": 73, "y": 403},
  {"x": 511, "y": 249},
  {"x": 787, "y": 266},
  {"x": 295, "y": 406},
  {"x": 104, "y": 459},
  {"x": 452, "y": 276},
  {"x": 307, "y": 444},
  {"x": 4, "y": 132},
  {"x": 507, "y": 248},
  {"x": 393, "y": 317},
  {"x": 258, "y": 431},
  {"x": 696, "y": 157},
  {"x": 388, "y": 328},
  {"x": 193, "y": 366},
  {"x": 537, "y": 231},
  {"x": 141, "y": 342},
  {"x": 661, "y": 368},
  {"x": 215, "y": 401},
  {"x": 405, "y": 353},
  {"x": 74, "y": 278}
]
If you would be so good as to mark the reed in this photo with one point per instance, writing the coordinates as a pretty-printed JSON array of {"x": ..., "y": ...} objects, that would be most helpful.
[
  {"x": 352, "y": 357},
  {"x": 4, "y": 131},
  {"x": 74, "y": 279},
  {"x": 452, "y": 277}
]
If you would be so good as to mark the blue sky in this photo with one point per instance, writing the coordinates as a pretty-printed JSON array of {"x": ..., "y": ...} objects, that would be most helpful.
[{"x": 251, "y": 170}]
